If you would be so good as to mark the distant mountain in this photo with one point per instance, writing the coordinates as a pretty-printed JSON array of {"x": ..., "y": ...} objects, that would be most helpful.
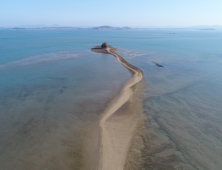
[
  {"x": 77, "y": 28},
  {"x": 103, "y": 27},
  {"x": 111, "y": 28}
]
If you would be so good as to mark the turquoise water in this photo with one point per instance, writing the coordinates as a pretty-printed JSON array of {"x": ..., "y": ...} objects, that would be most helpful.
[{"x": 53, "y": 89}]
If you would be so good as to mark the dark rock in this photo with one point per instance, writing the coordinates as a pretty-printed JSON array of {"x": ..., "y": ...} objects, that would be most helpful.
[
  {"x": 157, "y": 64},
  {"x": 104, "y": 45}
]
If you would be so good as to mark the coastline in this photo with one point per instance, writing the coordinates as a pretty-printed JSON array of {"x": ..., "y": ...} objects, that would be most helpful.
[{"x": 116, "y": 131}]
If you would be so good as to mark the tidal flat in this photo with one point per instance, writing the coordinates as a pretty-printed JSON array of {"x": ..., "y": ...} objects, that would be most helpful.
[{"x": 54, "y": 90}]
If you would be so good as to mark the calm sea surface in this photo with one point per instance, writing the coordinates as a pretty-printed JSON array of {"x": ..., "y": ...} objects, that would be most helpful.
[{"x": 53, "y": 90}]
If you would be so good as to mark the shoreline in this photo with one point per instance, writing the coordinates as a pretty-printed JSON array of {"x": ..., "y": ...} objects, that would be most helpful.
[{"x": 115, "y": 138}]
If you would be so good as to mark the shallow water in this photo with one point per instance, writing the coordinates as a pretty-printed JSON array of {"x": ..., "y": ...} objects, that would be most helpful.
[
  {"x": 50, "y": 109},
  {"x": 183, "y": 127},
  {"x": 53, "y": 90}
]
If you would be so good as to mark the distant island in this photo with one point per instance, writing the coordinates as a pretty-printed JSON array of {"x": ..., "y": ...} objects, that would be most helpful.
[
  {"x": 105, "y": 27},
  {"x": 79, "y": 28}
]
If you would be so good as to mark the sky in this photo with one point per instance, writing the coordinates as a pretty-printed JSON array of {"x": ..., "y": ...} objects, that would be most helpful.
[{"x": 89, "y": 13}]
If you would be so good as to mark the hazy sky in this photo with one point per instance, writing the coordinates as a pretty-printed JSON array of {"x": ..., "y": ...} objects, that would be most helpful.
[{"x": 134, "y": 13}]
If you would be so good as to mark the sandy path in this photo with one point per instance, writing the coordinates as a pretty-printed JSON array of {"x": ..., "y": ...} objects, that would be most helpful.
[{"x": 116, "y": 134}]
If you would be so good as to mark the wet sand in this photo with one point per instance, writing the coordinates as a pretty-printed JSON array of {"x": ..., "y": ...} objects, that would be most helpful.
[{"x": 116, "y": 131}]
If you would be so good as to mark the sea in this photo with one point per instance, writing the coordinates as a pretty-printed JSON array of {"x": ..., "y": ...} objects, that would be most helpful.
[{"x": 53, "y": 90}]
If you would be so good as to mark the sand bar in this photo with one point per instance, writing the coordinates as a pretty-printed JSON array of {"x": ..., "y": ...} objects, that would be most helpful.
[{"x": 115, "y": 136}]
